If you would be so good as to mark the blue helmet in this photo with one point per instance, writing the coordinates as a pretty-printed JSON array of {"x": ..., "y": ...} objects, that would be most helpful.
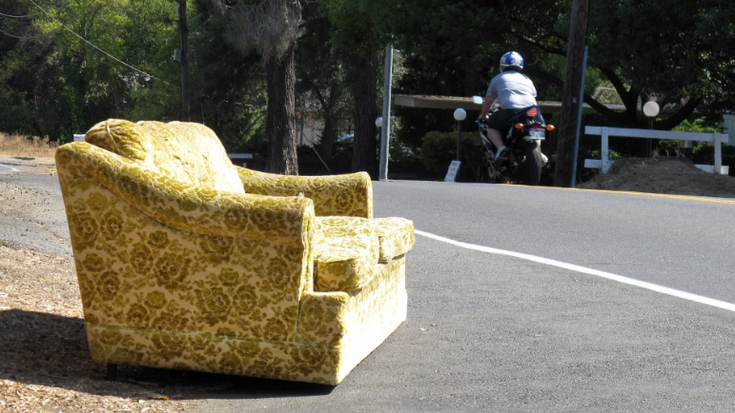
[{"x": 511, "y": 60}]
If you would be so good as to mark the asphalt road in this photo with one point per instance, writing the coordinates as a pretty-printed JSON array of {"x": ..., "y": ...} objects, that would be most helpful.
[
  {"x": 491, "y": 332},
  {"x": 32, "y": 214}
]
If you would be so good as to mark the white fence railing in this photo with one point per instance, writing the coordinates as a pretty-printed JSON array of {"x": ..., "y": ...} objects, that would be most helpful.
[
  {"x": 605, "y": 132},
  {"x": 240, "y": 158}
]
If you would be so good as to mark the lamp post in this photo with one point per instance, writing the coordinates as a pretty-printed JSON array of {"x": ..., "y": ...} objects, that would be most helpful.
[
  {"x": 385, "y": 124},
  {"x": 459, "y": 116},
  {"x": 650, "y": 109}
]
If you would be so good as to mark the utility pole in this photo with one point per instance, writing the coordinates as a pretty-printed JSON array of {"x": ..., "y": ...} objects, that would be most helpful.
[
  {"x": 184, "y": 30},
  {"x": 571, "y": 102}
]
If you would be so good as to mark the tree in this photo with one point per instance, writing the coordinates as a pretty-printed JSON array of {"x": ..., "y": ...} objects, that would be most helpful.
[
  {"x": 360, "y": 44},
  {"x": 228, "y": 86},
  {"x": 678, "y": 58},
  {"x": 683, "y": 68},
  {"x": 271, "y": 28},
  {"x": 322, "y": 87},
  {"x": 82, "y": 62}
]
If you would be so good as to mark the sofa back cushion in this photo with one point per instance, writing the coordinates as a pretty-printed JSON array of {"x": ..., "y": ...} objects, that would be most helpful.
[{"x": 187, "y": 152}]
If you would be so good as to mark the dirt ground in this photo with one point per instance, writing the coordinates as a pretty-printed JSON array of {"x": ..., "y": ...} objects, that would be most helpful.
[
  {"x": 676, "y": 176},
  {"x": 44, "y": 358}
]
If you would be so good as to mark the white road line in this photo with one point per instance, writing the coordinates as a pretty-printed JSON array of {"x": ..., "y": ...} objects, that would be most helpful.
[
  {"x": 613, "y": 277},
  {"x": 10, "y": 168}
]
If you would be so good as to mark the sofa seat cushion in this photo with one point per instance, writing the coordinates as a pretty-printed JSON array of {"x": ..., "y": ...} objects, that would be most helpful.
[
  {"x": 190, "y": 153},
  {"x": 345, "y": 252},
  {"x": 395, "y": 237}
]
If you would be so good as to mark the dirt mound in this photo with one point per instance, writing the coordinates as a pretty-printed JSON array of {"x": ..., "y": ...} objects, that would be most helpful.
[{"x": 677, "y": 176}]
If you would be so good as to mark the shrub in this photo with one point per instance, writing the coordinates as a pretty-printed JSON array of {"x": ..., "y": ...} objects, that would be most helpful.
[{"x": 439, "y": 149}]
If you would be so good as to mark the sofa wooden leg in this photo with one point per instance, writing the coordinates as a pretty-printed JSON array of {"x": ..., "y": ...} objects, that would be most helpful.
[{"x": 111, "y": 372}]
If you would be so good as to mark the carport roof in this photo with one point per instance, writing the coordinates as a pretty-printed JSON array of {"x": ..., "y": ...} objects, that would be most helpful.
[{"x": 454, "y": 102}]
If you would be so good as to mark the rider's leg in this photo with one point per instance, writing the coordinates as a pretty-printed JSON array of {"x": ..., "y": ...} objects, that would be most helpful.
[
  {"x": 544, "y": 158},
  {"x": 495, "y": 138}
]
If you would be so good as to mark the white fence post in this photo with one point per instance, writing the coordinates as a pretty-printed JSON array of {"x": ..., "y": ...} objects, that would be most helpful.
[
  {"x": 605, "y": 151},
  {"x": 718, "y": 152}
]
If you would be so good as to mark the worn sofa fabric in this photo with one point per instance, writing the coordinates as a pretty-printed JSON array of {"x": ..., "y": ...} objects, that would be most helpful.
[{"x": 180, "y": 266}]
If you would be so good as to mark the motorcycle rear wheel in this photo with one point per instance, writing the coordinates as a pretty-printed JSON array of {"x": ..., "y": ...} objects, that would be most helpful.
[{"x": 530, "y": 170}]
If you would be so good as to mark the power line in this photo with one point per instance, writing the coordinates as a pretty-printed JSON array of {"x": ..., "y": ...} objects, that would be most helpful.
[
  {"x": 10, "y": 16},
  {"x": 12, "y": 35},
  {"x": 20, "y": 36},
  {"x": 92, "y": 44}
]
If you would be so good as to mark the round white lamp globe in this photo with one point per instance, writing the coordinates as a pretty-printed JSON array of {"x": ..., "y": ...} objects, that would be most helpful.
[
  {"x": 650, "y": 109},
  {"x": 460, "y": 115}
]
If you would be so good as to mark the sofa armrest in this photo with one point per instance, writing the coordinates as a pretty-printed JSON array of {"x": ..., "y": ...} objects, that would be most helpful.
[
  {"x": 189, "y": 208},
  {"x": 345, "y": 195}
]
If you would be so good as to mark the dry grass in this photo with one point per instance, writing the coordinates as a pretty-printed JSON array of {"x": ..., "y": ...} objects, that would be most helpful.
[{"x": 20, "y": 145}]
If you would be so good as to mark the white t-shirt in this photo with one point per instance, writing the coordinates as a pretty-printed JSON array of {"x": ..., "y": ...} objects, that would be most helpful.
[{"x": 512, "y": 90}]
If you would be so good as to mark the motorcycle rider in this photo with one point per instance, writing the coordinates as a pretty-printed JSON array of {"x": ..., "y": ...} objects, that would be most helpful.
[{"x": 513, "y": 91}]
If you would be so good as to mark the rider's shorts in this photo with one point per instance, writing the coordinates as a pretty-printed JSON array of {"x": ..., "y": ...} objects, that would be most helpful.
[{"x": 499, "y": 119}]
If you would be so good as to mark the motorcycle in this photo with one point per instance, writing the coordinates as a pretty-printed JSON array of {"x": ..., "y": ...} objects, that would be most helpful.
[{"x": 524, "y": 160}]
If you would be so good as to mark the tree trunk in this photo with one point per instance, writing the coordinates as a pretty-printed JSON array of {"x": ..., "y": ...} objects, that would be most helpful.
[
  {"x": 280, "y": 123},
  {"x": 365, "y": 92},
  {"x": 184, "y": 29},
  {"x": 327, "y": 138}
]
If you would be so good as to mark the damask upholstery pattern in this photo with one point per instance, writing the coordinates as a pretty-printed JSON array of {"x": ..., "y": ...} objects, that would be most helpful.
[
  {"x": 179, "y": 267},
  {"x": 346, "y": 252},
  {"x": 395, "y": 237},
  {"x": 345, "y": 195}
]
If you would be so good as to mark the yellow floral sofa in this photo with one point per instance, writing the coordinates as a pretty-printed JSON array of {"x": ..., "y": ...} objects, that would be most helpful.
[{"x": 186, "y": 261}]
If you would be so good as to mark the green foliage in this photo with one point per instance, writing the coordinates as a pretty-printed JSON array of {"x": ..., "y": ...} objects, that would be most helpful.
[
  {"x": 702, "y": 125},
  {"x": 16, "y": 116},
  {"x": 633, "y": 45},
  {"x": 439, "y": 149},
  {"x": 228, "y": 92},
  {"x": 356, "y": 25},
  {"x": 675, "y": 147},
  {"x": 266, "y": 27},
  {"x": 83, "y": 61},
  {"x": 322, "y": 86}
]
